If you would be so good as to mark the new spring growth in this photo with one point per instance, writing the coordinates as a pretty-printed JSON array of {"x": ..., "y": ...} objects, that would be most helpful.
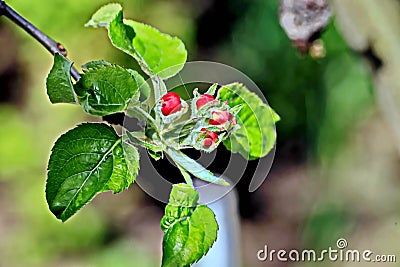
[
  {"x": 209, "y": 137},
  {"x": 171, "y": 107},
  {"x": 211, "y": 120},
  {"x": 170, "y": 103},
  {"x": 204, "y": 99},
  {"x": 222, "y": 118}
]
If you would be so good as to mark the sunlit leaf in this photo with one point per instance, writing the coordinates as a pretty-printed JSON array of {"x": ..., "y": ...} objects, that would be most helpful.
[
  {"x": 163, "y": 54},
  {"x": 256, "y": 136},
  {"x": 85, "y": 161},
  {"x": 156, "y": 52}
]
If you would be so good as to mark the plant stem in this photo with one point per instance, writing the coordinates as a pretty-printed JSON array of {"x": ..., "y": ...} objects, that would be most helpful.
[
  {"x": 51, "y": 45},
  {"x": 185, "y": 175}
]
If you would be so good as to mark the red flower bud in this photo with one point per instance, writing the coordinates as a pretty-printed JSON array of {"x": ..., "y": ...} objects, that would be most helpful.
[
  {"x": 204, "y": 99},
  {"x": 220, "y": 117},
  {"x": 210, "y": 138},
  {"x": 170, "y": 103}
]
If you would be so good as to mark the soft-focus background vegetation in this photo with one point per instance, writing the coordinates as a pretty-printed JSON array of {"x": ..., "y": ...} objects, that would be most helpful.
[{"x": 336, "y": 170}]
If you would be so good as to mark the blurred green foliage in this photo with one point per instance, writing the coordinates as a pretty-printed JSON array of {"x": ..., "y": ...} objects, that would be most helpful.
[
  {"x": 318, "y": 100},
  {"x": 321, "y": 103},
  {"x": 16, "y": 143},
  {"x": 327, "y": 224}
]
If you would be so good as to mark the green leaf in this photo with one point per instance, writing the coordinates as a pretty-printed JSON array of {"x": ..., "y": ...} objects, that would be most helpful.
[
  {"x": 58, "y": 83},
  {"x": 161, "y": 53},
  {"x": 183, "y": 195},
  {"x": 104, "y": 15},
  {"x": 190, "y": 229},
  {"x": 85, "y": 161},
  {"x": 188, "y": 240},
  {"x": 156, "y": 52},
  {"x": 106, "y": 89},
  {"x": 140, "y": 139},
  {"x": 132, "y": 159},
  {"x": 126, "y": 168},
  {"x": 111, "y": 17},
  {"x": 193, "y": 167},
  {"x": 182, "y": 202},
  {"x": 121, "y": 35},
  {"x": 256, "y": 136},
  {"x": 144, "y": 87},
  {"x": 95, "y": 64}
]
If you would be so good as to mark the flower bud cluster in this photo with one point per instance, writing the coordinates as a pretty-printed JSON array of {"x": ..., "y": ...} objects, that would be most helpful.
[{"x": 215, "y": 120}]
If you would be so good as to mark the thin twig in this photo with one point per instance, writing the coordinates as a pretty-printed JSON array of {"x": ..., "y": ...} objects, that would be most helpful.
[{"x": 51, "y": 45}]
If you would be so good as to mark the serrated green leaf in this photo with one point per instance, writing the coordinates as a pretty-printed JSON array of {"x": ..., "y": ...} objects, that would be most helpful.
[
  {"x": 183, "y": 195},
  {"x": 190, "y": 229},
  {"x": 163, "y": 54},
  {"x": 132, "y": 158},
  {"x": 256, "y": 136},
  {"x": 126, "y": 168},
  {"x": 95, "y": 64},
  {"x": 106, "y": 90},
  {"x": 188, "y": 240},
  {"x": 182, "y": 202},
  {"x": 58, "y": 83},
  {"x": 133, "y": 137},
  {"x": 156, "y": 52},
  {"x": 194, "y": 168},
  {"x": 83, "y": 161}
]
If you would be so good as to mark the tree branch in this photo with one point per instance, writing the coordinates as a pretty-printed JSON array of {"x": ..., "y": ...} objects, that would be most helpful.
[{"x": 51, "y": 45}]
